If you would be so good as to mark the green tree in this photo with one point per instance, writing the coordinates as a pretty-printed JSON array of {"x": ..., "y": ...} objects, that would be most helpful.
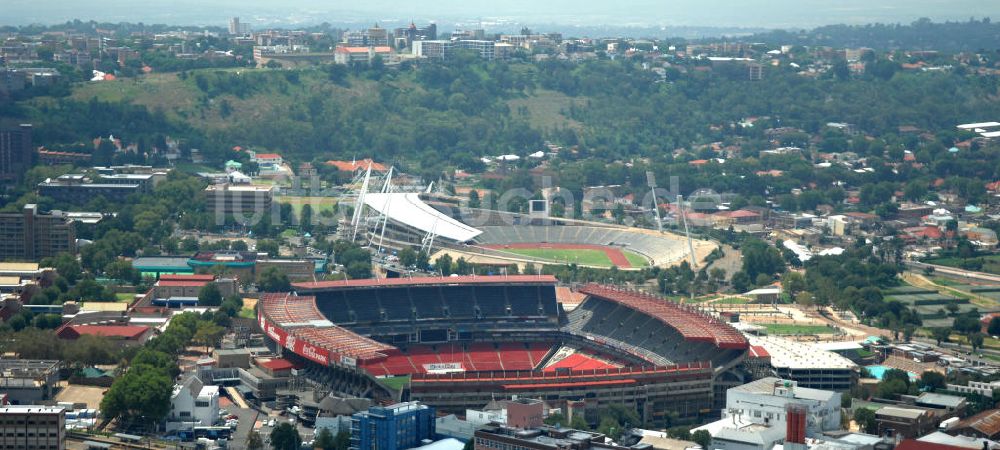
[
  {"x": 254, "y": 441},
  {"x": 793, "y": 282},
  {"x": 443, "y": 264},
  {"x": 343, "y": 440},
  {"x": 358, "y": 270},
  {"x": 208, "y": 334},
  {"x": 324, "y": 439},
  {"x": 556, "y": 419},
  {"x": 272, "y": 279},
  {"x": 579, "y": 423},
  {"x": 805, "y": 299},
  {"x": 702, "y": 438},
  {"x": 865, "y": 418},
  {"x": 741, "y": 281},
  {"x": 610, "y": 428},
  {"x": 66, "y": 265},
  {"x": 306, "y": 218},
  {"x": 285, "y": 437},
  {"x": 209, "y": 295},
  {"x": 141, "y": 396},
  {"x": 932, "y": 380},
  {"x": 941, "y": 334},
  {"x": 269, "y": 246},
  {"x": 474, "y": 199},
  {"x": 966, "y": 324},
  {"x": 761, "y": 258},
  {"x": 976, "y": 341},
  {"x": 994, "y": 326},
  {"x": 407, "y": 257},
  {"x": 890, "y": 389}
]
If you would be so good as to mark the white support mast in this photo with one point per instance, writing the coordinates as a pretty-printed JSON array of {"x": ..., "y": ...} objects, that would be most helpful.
[
  {"x": 386, "y": 189},
  {"x": 359, "y": 203},
  {"x": 687, "y": 232},
  {"x": 428, "y": 242}
]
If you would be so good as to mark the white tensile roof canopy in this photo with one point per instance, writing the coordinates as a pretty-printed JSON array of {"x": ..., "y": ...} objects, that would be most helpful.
[{"x": 410, "y": 210}]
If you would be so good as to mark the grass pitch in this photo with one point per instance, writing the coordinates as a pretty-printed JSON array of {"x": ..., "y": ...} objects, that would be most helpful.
[{"x": 582, "y": 256}]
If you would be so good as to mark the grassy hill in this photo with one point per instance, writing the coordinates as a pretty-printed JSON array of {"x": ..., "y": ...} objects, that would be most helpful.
[{"x": 428, "y": 115}]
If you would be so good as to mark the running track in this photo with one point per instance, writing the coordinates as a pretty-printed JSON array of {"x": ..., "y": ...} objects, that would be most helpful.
[{"x": 616, "y": 256}]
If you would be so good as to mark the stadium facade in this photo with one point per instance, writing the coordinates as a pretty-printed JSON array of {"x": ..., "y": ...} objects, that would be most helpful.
[{"x": 465, "y": 340}]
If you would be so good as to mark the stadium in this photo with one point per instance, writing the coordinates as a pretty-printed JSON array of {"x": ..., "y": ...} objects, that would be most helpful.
[
  {"x": 397, "y": 220},
  {"x": 458, "y": 342}
]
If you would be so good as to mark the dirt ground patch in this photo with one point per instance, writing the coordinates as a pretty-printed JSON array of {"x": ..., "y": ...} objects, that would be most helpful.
[{"x": 75, "y": 393}]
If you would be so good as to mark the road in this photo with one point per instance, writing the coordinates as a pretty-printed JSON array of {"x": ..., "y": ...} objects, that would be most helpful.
[
  {"x": 247, "y": 418},
  {"x": 965, "y": 275}
]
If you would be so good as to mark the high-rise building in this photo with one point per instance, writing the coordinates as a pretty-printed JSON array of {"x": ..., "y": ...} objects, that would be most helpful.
[
  {"x": 404, "y": 37},
  {"x": 378, "y": 36},
  {"x": 394, "y": 427},
  {"x": 30, "y": 235},
  {"x": 34, "y": 427},
  {"x": 16, "y": 153},
  {"x": 236, "y": 28}
]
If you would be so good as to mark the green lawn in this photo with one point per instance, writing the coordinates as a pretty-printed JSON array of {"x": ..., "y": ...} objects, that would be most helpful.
[
  {"x": 396, "y": 383},
  {"x": 124, "y": 297},
  {"x": 635, "y": 259},
  {"x": 319, "y": 204},
  {"x": 247, "y": 313},
  {"x": 582, "y": 256},
  {"x": 784, "y": 328},
  {"x": 701, "y": 299},
  {"x": 733, "y": 301}
]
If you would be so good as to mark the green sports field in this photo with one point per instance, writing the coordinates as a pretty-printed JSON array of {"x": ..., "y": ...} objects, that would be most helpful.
[
  {"x": 582, "y": 256},
  {"x": 396, "y": 383}
]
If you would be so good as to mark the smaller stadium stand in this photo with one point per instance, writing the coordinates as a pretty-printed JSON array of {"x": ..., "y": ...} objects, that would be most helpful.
[
  {"x": 689, "y": 322},
  {"x": 657, "y": 330}
]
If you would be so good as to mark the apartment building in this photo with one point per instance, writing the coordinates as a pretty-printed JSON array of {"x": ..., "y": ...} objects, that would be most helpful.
[{"x": 31, "y": 235}]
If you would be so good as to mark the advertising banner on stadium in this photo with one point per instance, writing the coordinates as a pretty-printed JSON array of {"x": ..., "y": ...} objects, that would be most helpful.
[
  {"x": 275, "y": 333},
  {"x": 312, "y": 352},
  {"x": 444, "y": 367},
  {"x": 348, "y": 361}
]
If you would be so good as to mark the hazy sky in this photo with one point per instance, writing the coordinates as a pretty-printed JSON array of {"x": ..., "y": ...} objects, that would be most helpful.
[{"x": 722, "y": 13}]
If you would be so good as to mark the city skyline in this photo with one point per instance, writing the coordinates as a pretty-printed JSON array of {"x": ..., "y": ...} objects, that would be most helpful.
[{"x": 637, "y": 14}]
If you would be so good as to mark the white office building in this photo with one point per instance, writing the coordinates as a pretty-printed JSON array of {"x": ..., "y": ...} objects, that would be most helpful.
[
  {"x": 192, "y": 403},
  {"x": 755, "y": 414}
]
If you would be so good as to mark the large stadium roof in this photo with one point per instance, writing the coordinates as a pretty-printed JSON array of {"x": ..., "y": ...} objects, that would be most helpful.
[
  {"x": 799, "y": 355},
  {"x": 421, "y": 281},
  {"x": 410, "y": 210}
]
